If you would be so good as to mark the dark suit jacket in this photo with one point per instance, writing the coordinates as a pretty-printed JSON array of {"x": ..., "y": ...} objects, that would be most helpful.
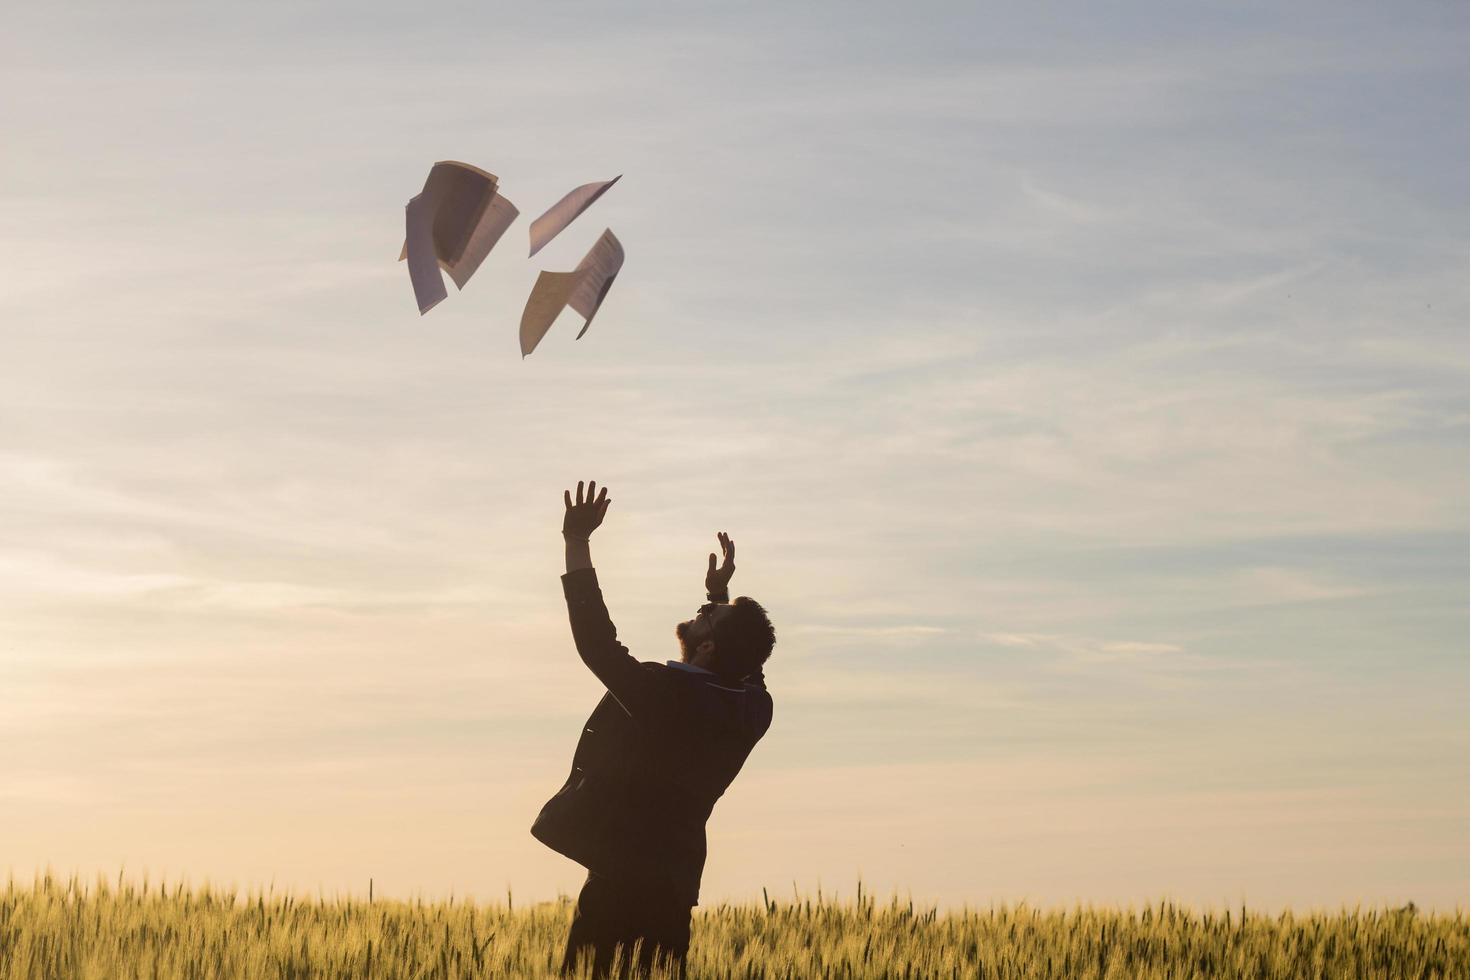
[{"x": 658, "y": 751}]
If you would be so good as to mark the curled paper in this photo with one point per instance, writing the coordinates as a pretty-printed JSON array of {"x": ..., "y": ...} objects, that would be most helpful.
[
  {"x": 565, "y": 211},
  {"x": 464, "y": 216},
  {"x": 583, "y": 289}
]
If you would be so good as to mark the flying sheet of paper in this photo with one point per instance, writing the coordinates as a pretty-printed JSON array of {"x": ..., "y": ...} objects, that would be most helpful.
[
  {"x": 496, "y": 219},
  {"x": 418, "y": 248},
  {"x": 599, "y": 268},
  {"x": 565, "y": 211},
  {"x": 548, "y": 298},
  {"x": 466, "y": 217},
  {"x": 582, "y": 289},
  {"x": 461, "y": 193}
]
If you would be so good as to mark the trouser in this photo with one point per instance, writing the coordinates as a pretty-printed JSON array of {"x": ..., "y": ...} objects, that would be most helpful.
[{"x": 611, "y": 913}]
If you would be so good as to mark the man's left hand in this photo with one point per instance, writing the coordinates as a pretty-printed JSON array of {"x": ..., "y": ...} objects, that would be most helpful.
[
  {"x": 717, "y": 579},
  {"x": 584, "y": 516}
]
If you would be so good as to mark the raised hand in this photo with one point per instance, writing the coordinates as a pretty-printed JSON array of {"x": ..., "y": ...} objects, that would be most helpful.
[
  {"x": 717, "y": 579},
  {"x": 584, "y": 516}
]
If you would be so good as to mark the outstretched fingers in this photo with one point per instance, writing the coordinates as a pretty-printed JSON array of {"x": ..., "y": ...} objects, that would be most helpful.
[{"x": 587, "y": 494}]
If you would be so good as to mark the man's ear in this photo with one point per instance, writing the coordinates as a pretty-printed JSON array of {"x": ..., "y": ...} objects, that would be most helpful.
[{"x": 704, "y": 648}]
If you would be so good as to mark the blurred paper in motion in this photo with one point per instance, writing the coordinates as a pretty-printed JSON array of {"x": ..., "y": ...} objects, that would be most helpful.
[
  {"x": 457, "y": 221},
  {"x": 583, "y": 290},
  {"x": 565, "y": 211}
]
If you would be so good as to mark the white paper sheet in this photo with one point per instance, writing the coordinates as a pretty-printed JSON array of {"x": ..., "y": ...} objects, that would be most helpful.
[
  {"x": 465, "y": 216},
  {"x": 600, "y": 267},
  {"x": 565, "y": 211},
  {"x": 583, "y": 290},
  {"x": 418, "y": 248},
  {"x": 548, "y": 298},
  {"x": 492, "y": 224}
]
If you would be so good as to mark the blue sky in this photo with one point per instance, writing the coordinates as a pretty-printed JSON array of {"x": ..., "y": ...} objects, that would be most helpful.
[{"x": 1086, "y": 391}]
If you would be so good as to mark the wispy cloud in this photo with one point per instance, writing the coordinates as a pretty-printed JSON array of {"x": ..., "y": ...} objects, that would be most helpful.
[
  {"x": 1139, "y": 657},
  {"x": 868, "y": 631}
]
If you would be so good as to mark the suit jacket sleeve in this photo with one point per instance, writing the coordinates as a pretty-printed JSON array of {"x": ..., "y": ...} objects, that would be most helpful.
[{"x": 597, "y": 644}]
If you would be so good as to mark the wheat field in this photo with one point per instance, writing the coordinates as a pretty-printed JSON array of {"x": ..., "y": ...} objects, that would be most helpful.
[{"x": 68, "y": 930}]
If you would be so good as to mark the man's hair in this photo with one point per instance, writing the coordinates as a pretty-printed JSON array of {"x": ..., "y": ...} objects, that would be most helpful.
[{"x": 744, "y": 639}]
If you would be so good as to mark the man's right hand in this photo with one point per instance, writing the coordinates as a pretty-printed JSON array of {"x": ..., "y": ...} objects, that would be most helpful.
[
  {"x": 717, "y": 579},
  {"x": 584, "y": 516}
]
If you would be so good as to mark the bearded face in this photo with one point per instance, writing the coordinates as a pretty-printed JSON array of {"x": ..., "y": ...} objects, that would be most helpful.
[
  {"x": 693, "y": 632},
  {"x": 690, "y": 635}
]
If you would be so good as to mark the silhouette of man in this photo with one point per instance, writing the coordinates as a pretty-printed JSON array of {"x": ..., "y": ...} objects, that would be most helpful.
[{"x": 659, "y": 749}]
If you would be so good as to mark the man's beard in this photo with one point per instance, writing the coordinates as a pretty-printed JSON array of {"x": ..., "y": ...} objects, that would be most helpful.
[{"x": 681, "y": 630}]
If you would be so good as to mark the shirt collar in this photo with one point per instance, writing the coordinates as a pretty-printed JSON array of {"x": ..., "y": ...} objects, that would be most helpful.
[{"x": 689, "y": 667}]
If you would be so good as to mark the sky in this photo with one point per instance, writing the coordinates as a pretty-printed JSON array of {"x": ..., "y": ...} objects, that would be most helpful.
[{"x": 1087, "y": 392}]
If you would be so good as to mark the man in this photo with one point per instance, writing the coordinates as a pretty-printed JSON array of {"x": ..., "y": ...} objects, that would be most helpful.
[{"x": 658, "y": 751}]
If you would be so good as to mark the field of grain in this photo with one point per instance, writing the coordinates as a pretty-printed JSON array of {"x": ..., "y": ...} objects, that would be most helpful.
[{"x": 65, "y": 930}]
